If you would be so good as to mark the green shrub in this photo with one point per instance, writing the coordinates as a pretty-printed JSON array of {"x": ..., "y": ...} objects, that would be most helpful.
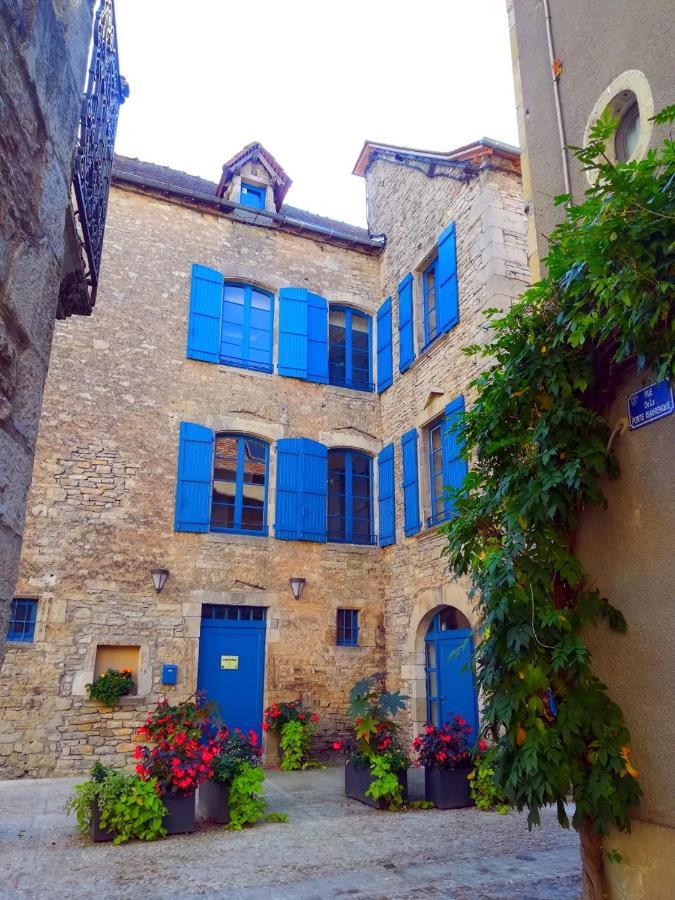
[
  {"x": 246, "y": 801},
  {"x": 108, "y": 688},
  {"x": 485, "y": 792},
  {"x": 295, "y": 741},
  {"x": 137, "y": 813},
  {"x": 104, "y": 787},
  {"x": 385, "y": 785}
]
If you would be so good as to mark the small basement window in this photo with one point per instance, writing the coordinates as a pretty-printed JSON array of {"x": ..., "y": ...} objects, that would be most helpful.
[{"x": 115, "y": 656}]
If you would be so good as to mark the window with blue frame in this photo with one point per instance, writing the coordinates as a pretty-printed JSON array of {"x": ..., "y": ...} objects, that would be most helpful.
[
  {"x": 438, "y": 512},
  {"x": 252, "y": 195},
  {"x": 430, "y": 296},
  {"x": 239, "y": 491},
  {"x": 447, "y": 463},
  {"x": 350, "y": 517},
  {"x": 247, "y": 326},
  {"x": 349, "y": 357},
  {"x": 22, "y": 617},
  {"x": 347, "y": 628}
]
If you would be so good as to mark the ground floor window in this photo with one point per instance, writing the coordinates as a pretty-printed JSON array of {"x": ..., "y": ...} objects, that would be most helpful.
[
  {"x": 347, "y": 627},
  {"x": 22, "y": 617}
]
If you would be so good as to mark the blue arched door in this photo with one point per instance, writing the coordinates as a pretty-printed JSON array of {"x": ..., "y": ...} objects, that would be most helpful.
[{"x": 449, "y": 670}]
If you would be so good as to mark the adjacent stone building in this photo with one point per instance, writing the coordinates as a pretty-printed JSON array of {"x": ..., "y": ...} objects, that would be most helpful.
[
  {"x": 263, "y": 396},
  {"x": 626, "y": 548}
]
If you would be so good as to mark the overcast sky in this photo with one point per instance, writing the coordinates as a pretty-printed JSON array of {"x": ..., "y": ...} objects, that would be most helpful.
[{"x": 311, "y": 81}]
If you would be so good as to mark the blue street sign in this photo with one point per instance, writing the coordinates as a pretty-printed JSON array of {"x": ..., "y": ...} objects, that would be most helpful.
[{"x": 651, "y": 403}]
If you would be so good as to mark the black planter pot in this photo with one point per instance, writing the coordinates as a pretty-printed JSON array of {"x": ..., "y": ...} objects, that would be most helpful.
[
  {"x": 99, "y": 834},
  {"x": 180, "y": 813},
  {"x": 447, "y": 788},
  {"x": 358, "y": 779},
  {"x": 213, "y": 801}
]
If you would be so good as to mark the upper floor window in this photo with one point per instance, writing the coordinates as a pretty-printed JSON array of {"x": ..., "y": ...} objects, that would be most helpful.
[
  {"x": 252, "y": 195},
  {"x": 349, "y": 349},
  {"x": 429, "y": 296},
  {"x": 246, "y": 327},
  {"x": 438, "y": 513},
  {"x": 239, "y": 489},
  {"x": 447, "y": 463},
  {"x": 22, "y": 616},
  {"x": 349, "y": 497}
]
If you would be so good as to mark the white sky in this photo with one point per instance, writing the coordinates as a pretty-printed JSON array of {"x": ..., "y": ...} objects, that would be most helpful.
[{"x": 311, "y": 81}]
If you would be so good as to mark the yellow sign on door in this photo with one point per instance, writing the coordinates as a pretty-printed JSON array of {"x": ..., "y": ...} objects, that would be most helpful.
[{"x": 229, "y": 662}]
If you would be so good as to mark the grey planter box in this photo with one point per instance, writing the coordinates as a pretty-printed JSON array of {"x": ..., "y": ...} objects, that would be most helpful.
[
  {"x": 358, "y": 779},
  {"x": 214, "y": 797},
  {"x": 99, "y": 834},
  {"x": 447, "y": 788},
  {"x": 180, "y": 815}
]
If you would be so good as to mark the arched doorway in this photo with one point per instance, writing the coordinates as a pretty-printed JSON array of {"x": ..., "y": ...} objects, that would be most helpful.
[{"x": 448, "y": 667}]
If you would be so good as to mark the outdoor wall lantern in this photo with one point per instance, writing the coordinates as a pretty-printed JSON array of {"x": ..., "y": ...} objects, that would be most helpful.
[
  {"x": 159, "y": 577},
  {"x": 297, "y": 584}
]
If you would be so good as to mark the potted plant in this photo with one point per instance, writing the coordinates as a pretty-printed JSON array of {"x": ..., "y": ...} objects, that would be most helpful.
[
  {"x": 109, "y": 687},
  {"x": 376, "y": 771},
  {"x": 294, "y": 725},
  {"x": 445, "y": 754},
  {"x": 181, "y": 758},
  {"x": 236, "y": 753}
]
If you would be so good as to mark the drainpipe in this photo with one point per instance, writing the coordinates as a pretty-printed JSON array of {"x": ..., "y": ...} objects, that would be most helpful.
[{"x": 555, "y": 74}]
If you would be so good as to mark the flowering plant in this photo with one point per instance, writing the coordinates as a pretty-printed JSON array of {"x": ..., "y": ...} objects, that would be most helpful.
[
  {"x": 235, "y": 748},
  {"x": 109, "y": 687},
  {"x": 278, "y": 714},
  {"x": 444, "y": 746},
  {"x": 193, "y": 717},
  {"x": 295, "y": 724}
]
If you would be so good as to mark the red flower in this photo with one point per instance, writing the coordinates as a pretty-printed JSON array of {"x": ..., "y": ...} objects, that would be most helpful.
[
  {"x": 482, "y": 744},
  {"x": 253, "y": 737},
  {"x": 429, "y": 729},
  {"x": 314, "y": 718},
  {"x": 140, "y": 769},
  {"x": 265, "y": 726},
  {"x": 440, "y": 756},
  {"x": 138, "y": 753},
  {"x": 337, "y": 745},
  {"x": 302, "y": 716}
]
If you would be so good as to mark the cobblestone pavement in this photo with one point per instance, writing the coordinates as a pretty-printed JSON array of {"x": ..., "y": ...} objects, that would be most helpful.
[{"x": 332, "y": 847}]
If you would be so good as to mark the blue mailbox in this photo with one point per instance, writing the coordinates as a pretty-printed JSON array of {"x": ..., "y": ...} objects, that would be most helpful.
[{"x": 169, "y": 673}]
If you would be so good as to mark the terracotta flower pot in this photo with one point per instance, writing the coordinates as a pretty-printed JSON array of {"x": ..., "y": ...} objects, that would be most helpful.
[
  {"x": 447, "y": 788},
  {"x": 359, "y": 778},
  {"x": 213, "y": 801},
  {"x": 180, "y": 813}
]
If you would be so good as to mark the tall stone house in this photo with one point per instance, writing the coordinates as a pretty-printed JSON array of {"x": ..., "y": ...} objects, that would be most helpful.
[
  {"x": 561, "y": 90},
  {"x": 242, "y": 456},
  {"x": 55, "y": 158}
]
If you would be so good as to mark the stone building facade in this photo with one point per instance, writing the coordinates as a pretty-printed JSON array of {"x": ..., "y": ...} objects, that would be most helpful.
[
  {"x": 103, "y": 511},
  {"x": 625, "y": 548}
]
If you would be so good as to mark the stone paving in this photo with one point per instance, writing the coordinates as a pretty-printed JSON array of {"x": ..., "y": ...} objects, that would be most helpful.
[{"x": 332, "y": 847}]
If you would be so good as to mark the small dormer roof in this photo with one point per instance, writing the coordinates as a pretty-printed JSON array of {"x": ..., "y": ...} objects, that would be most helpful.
[{"x": 255, "y": 152}]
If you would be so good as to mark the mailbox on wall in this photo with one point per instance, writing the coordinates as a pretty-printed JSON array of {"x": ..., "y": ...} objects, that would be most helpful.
[{"x": 169, "y": 673}]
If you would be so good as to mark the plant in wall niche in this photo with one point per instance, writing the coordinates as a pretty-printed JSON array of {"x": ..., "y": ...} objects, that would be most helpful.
[
  {"x": 295, "y": 726},
  {"x": 109, "y": 687},
  {"x": 485, "y": 792},
  {"x": 540, "y": 444}
]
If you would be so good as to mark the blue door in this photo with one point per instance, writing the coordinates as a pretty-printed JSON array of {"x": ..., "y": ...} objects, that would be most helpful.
[
  {"x": 232, "y": 663},
  {"x": 450, "y": 683}
]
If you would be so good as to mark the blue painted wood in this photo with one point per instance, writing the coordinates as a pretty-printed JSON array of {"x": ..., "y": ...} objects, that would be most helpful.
[
  {"x": 449, "y": 669},
  {"x": 411, "y": 499},
  {"x": 385, "y": 367},
  {"x": 252, "y": 195},
  {"x": 430, "y": 302},
  {"x": 406, "y": 343},
  {"x": 238, "y": 692},
  {"x": 347, "y": 628},
  {"x": 247, "y": 327},
  {"x": 302, "y": 475},
  {"x": 344, "y": 356},
  {"x": 195, "y": 473},
  {"x": 317, "y": 338},
  {"x": 314, "y": 491},
  {"x": 292, "y": 353},
  {"x": 22, "y": 618},
  {"x": 206, "y": 302},
  {"x": 447, "y": 310},
  {"x": 386, "y": 496},
  {"x": 455, "y": 465}
]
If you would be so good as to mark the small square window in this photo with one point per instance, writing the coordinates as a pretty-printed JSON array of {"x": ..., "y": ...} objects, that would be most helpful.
[
  {"x": 347, "y": 628},
  {"x": 22, "y": 616},
  {"x": 252, "y": 195}
]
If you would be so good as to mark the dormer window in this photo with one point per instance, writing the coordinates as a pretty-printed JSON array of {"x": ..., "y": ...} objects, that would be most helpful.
[{"x": 252, "y": 195}]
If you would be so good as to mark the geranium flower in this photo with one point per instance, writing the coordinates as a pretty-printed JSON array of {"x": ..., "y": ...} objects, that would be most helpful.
[
  {"x": 337, "y": 745},
  {"x": 314, "y": 718},
  {"x": 482, "y": 744},
  {"x": 265, "y": 726}
]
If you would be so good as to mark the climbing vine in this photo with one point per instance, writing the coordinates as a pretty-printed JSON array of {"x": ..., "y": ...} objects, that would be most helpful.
[{"x": 540, "y": 443}]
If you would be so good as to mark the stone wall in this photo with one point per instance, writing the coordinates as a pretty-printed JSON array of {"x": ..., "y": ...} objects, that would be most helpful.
[{"x": 43, "y": 54}]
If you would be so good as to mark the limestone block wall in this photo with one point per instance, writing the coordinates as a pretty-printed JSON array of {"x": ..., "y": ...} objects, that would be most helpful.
[{"x": 43, "y": 54}]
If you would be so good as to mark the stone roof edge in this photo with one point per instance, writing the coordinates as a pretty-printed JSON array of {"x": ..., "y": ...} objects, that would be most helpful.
[{"x": 463, "y": 157}]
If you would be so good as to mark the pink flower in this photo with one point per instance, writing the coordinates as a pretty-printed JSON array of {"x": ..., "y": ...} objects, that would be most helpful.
[{"x": 337, "y": 745}]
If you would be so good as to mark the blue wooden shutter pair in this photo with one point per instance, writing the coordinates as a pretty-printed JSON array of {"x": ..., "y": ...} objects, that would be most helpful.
[
  {"x": 303, "y": 335},
  {"x": 386, "y": 503},
  {"x": 195, "y": 474},
  {"x": 302, "y": 483},
  {"x": 447, "y": 298},
  {"x": 385, "y": 375},
  {"x": 406, "y": 345},
  {"x": 206, "y": 307},
  {"x": 411, "y": 497},
  {"x": 455, "y": 465}
]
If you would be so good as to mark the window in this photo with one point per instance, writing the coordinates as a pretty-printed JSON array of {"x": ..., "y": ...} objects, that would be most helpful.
[
  {"x": 436, "y": 473},
  {"x": 347, "y": 628},
  {"x": 429, "y": 297},
  {"x": 349, "y": 497},
  {"x": 22, "y": 616},
  {"x": 252, "y": 195},
  {"x": 246, "y": 327},
  {"x": 239, "y": 485},
  {"x": 233, "y": 613},
  {"x": 628, "y": 133},
  {"x": 447, "y": 464},
  {"x": 349, "y": 349}
]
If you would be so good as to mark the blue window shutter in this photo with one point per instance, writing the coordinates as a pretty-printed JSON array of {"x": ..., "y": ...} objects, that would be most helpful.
[
  {"x": 447, "y": 311},
  {"x": 317, "y": 338},
  {"x": 302, "y": 478},
  {"x": 406, "y": 347},
  {"x": 455, "y": 465},
  {"x": 411, "y": 497},
  {"x": 386, "y": 501},
  {"x": 195, "y": 474},
  {"x": 293, "y": 308},
  {"x": 206, "y": 304},
  {"x": 385, "y": 376}
]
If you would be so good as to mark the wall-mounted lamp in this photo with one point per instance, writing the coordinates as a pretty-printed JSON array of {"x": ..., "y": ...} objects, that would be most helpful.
[
  {"x": 159, "y": 577},
  {"x": 297, "y": 584}
]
